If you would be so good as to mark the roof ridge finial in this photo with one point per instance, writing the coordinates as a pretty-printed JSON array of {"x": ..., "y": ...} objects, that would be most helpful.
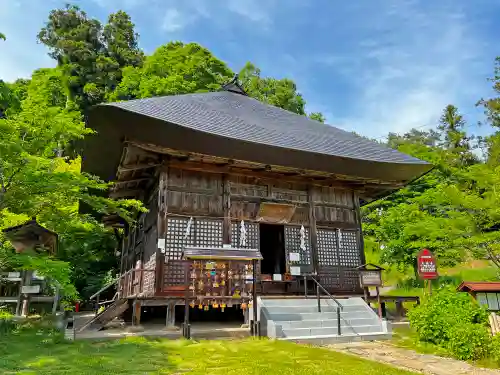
[{"x": 234, "y": 86}]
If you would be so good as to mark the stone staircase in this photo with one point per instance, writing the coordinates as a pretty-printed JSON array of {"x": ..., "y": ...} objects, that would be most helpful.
[{"x": 298, "y": 319}]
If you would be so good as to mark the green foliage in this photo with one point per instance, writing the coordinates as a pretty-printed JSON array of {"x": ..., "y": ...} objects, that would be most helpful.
[
  {"x": 91, "y": 56},
  {"x": 318, "y": 116},
  {"x": 453, "y": 321},
  {"x": 7, "y": 325},
  {"x": 174, "y": 68},
  {"x": 36, "y": 180},
  {"x": 278, "y": 92},
  {"x": 469, "y": 342},
  {"x": 449, "y": 210},
  {"x": 495, "y": 349}
]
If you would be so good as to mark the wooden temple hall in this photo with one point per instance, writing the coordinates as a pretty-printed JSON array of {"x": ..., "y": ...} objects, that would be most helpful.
[{"x": 222, "y": 173}]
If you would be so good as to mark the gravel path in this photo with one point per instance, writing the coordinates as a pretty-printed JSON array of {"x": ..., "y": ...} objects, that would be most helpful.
[{"x": 410, "y": 360}]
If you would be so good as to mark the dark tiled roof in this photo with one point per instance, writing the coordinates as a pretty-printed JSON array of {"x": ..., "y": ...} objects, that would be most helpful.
[{"x": 240, "y": 117}]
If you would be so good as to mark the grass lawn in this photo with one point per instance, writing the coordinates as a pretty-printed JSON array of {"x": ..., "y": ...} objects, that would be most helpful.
[
  {"x": 29, "y": 354},
  {"x": 406, "y": 338}
]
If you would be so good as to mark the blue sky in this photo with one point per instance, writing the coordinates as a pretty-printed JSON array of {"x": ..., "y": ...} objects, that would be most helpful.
[{"x": 372, "y": 66}]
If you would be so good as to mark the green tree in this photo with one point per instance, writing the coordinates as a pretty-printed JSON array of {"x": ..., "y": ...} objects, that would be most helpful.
[
  {"x": 454, "y": 138},
  {"x": 278, "y": 92},
  {"x": 2, "y": 36},
  {"x": 35, "y": 181},
  {"x": 318, "y": 116},
  {"x": 174, "y": 68},
  {"x": 431, "y": 212},
  {"x": 92, "y": 56}
]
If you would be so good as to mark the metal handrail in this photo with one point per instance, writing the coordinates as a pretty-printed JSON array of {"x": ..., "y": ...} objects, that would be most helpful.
[
  {"x": 318, "y": 285},
  {"x": 340, "y": 307},
  {"x": 104, "y": 288}
]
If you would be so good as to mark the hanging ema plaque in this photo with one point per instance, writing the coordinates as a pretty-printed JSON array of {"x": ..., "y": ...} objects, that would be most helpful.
[{"x": 426, "y": 263}]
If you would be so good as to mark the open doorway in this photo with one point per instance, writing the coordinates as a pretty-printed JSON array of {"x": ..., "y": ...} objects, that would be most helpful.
[{"x": 272, "y": 248}]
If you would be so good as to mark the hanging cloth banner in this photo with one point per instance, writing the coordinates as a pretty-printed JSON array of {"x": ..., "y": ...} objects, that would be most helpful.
[
  {"x": 302, "y": 238},
  {"x": 243, "y": 234},
  {"x": 339, "y": 234},
  {"x": 188, "y": 228}
]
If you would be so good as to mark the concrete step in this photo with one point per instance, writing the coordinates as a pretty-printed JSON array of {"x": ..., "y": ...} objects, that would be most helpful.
[
  {"x": 330, "y": 323},
  {"x": 277, "y": 317},
  {"x": 307, "y": 332},
  {"x": 335, "y": 339},
  {"x": 313, "y": 309},
  {"x": 312, "y": 302}
]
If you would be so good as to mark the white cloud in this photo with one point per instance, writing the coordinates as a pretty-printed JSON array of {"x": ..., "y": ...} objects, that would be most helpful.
[
  {"x": 174, "y": 20},
  {"x": 417, "y": 62}
]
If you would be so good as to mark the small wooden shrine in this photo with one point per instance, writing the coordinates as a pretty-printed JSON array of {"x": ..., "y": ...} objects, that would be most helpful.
[
  {"x": 23, "y": 288},
  {"x": 222, "y": 170},
  {"x": 487, "y": 293}
]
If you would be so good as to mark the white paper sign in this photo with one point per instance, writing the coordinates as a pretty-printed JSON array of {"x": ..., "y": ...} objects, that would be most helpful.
[
  {"x": 295, "y": 271},
  {"x": 30, "y": 289},
  {"x": 161, "y": 243},
  {"x": 294, "y": 257},
  {"x": 226, "y": 246},
  {"x": 14, "y": 275},
  {"x": 277, "y": 277}
]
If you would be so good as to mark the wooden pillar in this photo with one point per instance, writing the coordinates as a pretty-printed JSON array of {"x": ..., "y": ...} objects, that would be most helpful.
[
  {"x": 20, "y": 295},
  {"x": 226, "y": 207},
  {"x": 170, "y": 318},
  {"x": 161, "y": 226},
  {"x": 384, "y": 310},
  {"x": 26, "y": 300},
  {"x": 357, "y": 213},
  {"x": 379, "y": 302},
  {"x": 136, "y": 313},
  {"x": 400, "y": 312},
  {"x": 313, "y": 232}
]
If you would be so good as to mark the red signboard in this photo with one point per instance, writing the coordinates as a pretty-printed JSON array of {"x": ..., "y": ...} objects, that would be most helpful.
[{"x": 427, "y": 268}]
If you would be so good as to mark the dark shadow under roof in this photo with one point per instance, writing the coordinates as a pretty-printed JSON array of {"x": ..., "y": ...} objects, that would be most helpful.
[{"x": 236, "y": 126}]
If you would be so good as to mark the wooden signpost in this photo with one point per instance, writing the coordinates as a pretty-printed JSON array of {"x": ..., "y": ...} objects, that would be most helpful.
[
  {"x": 427, "y": 267},
  {"x": 370, "y": 275}
]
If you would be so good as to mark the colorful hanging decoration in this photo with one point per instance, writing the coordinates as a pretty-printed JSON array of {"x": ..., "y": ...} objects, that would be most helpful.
[
  {"x": 243, "y": 234},
  {"x": 188, "y": 228},
  {"x": 302, "y": 238}
]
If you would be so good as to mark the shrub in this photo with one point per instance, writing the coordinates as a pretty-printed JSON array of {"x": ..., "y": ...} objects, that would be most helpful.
[
  {"x": 453, "y": 321},
  {"x": 469, "y": 341},
  {"x": 6, "y": 322},
  {"x": 495, "y": 348}
]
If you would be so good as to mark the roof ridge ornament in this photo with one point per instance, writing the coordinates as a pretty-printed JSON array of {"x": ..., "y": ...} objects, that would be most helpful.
[{"x": 234, "y": 86}]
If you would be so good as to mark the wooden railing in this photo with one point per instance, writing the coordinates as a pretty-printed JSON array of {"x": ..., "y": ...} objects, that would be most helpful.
[{"x": 131, "y": 283}]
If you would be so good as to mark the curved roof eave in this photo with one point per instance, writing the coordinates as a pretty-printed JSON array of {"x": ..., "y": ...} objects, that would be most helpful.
[{"x": 115, "y": 123}]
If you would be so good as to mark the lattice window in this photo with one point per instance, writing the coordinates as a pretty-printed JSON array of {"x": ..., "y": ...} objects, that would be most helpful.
[
  {"x": 174, "y": 272},
  {"x": 329, "y": 277},
  {"x": 292, "y": 244},
  {"x": 253, "y": 237},
  {"x": 349, "y": 250},
  {"x": 350, "y": 280},
  {"x": 208, "y": 232},
  {"x": 176, "y": 239},
  {"x": 327, "y": 247}
]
